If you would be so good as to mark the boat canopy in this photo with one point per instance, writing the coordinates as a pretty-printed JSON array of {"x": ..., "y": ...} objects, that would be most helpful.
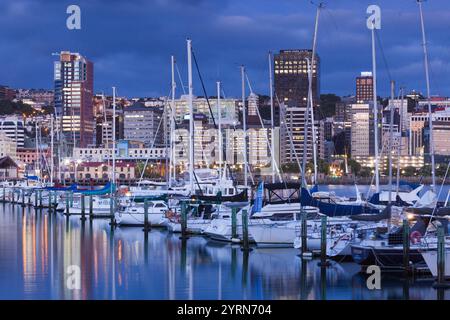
[
  {"x": 335, "y": 209},
  {"x": 108, "y": 188}
]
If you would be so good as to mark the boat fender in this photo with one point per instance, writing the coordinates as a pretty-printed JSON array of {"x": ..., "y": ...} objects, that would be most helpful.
[{"x": 415, "y": 237}]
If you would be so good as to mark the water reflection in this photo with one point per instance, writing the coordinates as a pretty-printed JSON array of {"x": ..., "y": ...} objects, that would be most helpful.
[{"x": 37, "y": 247}]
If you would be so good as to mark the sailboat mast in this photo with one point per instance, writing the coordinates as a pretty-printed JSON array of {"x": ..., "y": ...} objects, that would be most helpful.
[
  {"x": 272, "y": 126},
  {"x": 219, "y": 122},
  {"x": 166, "y": 145},
  {"x": 400, "y": 130},
  {"x": 52, "y": 159},
  {"x": 391, "y": 136},
  {"x": 310, "y": 96},
  {"x": 191, "y": 117},
  {"x": 36, "y": 167},
  {"x": 113, "y": 175},
  {"x": 172, "y": 177},
  {"x": 375, "y": 110},
  {"x": 430, "y": 113},
  {"x": 244, "y": 122}
]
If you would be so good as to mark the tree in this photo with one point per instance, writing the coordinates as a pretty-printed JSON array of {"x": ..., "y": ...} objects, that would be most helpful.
[
  {"x": 10, "y": 107},
  {"x": 409, "y": 171},
  {"x": 323, "y": 166},
  {"x": 290, "y": 167},
  {"x": 365, "y": 172},
  {"x": 425, "y": 170},
  {"x": 441, "y": 169}
]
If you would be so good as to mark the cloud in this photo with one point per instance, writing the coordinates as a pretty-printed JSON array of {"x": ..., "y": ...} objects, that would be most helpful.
[{"x": 131, "y": 42}]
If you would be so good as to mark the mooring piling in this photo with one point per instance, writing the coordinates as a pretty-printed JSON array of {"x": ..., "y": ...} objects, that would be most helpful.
[
  {"x": 183, "y": 221},
  {"x": 406, "y": 244},
  {"x": 91, "y": 208},
  {"x": 146, "y": 224},
  {"x": 323, "y": 242},
  {"x": 245, "y": 241},
  {"x": 441, "y": 282},
  {"x": 83, "y": 208},
  {"x": 234, "y": 234}
]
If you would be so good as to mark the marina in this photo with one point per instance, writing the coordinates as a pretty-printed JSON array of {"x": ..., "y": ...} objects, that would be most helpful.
[{"x": 37, "y": 246}]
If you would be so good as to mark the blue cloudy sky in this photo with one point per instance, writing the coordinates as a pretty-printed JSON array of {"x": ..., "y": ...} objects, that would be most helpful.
[{"x": 131, "y": 41}]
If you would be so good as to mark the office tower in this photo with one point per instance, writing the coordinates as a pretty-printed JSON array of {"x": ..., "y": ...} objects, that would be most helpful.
[
  {"x": 362, "y": 131},
  {"x": 74, "y": 78},
  {"x": 144, "y": 124},
  {"x": 364, "y": 87},
  {"x": 291, "y": 90}
]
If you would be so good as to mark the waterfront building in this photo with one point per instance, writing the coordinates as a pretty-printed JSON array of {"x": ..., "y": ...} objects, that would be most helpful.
[
  {"x": 13, "y": 127},
  {"x": 125, "y": 150},
  {"x": 8, "y": 147}
]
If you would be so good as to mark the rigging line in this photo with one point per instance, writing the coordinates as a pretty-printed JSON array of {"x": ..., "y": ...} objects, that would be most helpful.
[
  {"x": 266, "y": 136},
  {"x": 380, "y": 44},
  {"x": 181, "y": 80},
  {"x": 203, "y": 87},
  {"x": 152, "y": 145},
  {"x": 439, "y": 194},
  {"x": 290, "y": 137},
  {"x": 227, "y": 165}
]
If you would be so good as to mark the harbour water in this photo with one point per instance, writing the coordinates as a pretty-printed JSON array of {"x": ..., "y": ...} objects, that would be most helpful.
[{"x": 38, "y": 247}]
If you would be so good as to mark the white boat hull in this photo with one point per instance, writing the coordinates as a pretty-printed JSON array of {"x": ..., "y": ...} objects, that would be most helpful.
[{"x": 430, "y": 257}]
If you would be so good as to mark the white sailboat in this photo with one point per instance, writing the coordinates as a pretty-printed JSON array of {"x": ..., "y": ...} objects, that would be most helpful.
[{"x": 134, "y": 214}]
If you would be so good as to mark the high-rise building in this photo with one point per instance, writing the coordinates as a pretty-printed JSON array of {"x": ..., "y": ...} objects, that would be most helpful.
[
  {"x": 144, "y": 124},
  {"x": 74, "y": 81},
  {"x": 364, "y": 87},
  {"x": 291, "y": 90},
  {"x": 362, "y": 131},
  {"x": 291, "y": 77}
]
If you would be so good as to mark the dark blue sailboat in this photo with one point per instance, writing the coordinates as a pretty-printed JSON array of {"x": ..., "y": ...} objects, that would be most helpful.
[{"x": 334, "y": 209}]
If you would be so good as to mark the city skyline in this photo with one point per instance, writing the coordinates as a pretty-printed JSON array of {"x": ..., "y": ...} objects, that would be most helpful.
[{"x": 140, "y": 65}]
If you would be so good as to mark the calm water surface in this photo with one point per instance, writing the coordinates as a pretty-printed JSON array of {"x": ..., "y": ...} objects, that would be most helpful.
[{"x": 36, "y": 248}]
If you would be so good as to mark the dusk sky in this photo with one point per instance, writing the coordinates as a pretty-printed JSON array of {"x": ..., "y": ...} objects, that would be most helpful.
[{"x": 130, "y": 42}]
